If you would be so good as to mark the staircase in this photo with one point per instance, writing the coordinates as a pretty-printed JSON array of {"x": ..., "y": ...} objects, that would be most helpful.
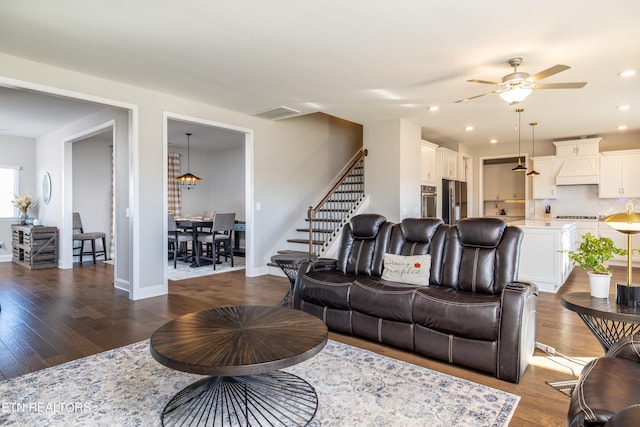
[{"x": 326, "y": 219}]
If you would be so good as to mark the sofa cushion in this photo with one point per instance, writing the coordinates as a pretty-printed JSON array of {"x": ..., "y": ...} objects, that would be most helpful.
[
  {"x": 463, "y": 314},
  {"x": 364, "y": 242},
  {"x": 409, "y": 269},
  {"x": 382, "y": 299},
  {"x": 326, "y": 288},
  {"x": 607, "y": 385}
]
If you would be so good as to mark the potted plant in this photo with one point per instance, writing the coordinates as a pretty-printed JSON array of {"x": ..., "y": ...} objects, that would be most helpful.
[{"x": 591, "y": 255}]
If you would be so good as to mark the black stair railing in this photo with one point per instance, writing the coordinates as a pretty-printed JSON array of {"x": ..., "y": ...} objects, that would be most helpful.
[{"x": 329, "y": 215}]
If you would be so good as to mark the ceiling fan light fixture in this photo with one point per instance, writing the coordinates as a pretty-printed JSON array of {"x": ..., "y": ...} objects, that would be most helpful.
[{"x": 515, "y": 94}]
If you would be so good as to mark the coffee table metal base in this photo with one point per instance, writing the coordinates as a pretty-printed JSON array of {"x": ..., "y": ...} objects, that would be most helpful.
[{"x": 276, "y": 398}]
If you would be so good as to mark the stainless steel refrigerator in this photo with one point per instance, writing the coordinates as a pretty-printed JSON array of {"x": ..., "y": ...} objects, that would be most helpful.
[{"x": 454, "y": 201}]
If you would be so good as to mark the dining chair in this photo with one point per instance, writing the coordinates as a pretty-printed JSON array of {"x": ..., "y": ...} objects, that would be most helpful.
[
  {"x": 219, "y": 240},
  {"x": 178, "y": 241},
  {"x": 79, "y": 235}
]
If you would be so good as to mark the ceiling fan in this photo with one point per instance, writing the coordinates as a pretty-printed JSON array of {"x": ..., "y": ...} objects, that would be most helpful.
[{"x": 516, "y": 86}]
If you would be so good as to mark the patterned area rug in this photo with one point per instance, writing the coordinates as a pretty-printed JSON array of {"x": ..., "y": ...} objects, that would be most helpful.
[
  {"x": 126, "y": 386},
  {"x": 184, "y": 270}
]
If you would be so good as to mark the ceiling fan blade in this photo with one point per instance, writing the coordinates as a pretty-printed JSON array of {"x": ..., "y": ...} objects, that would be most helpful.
[
  {"x": 484, "y": 82},
  {"x": 474, "y": 97},
  {"x": 575, "y": 85},
  {"x": 549, "y": 72}
]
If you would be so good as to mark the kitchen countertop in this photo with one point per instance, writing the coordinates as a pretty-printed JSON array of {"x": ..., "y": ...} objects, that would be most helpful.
[{"x": 544, "y": 223}]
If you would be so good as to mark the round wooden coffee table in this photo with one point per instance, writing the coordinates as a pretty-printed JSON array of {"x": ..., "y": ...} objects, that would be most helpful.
[{"x": 241, "y": 349}]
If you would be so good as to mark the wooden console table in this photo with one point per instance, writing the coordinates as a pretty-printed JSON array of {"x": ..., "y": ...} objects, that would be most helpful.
[{"x": 35, "y": 247}]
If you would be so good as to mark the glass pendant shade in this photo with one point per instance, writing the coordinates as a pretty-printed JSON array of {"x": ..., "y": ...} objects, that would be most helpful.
[{"x": 515, "y": 95}]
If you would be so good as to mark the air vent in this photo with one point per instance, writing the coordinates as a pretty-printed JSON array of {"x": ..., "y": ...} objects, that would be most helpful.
[{"x": 277, "y": 113}]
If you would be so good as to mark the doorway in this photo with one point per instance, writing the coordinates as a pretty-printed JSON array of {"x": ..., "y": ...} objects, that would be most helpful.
[{"x": 222, "y": 155}]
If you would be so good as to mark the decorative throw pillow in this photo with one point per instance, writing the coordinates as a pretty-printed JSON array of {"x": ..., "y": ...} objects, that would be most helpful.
[{"x": 411, "y": 269}]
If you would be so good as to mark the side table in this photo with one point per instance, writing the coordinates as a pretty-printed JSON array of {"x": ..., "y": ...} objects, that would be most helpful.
[
  {"x": 289, "y": 261},
  {"x": 607, "y": 320}
]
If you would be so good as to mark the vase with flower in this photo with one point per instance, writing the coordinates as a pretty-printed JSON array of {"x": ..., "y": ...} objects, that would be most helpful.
[{"x": 24, "y": 203}]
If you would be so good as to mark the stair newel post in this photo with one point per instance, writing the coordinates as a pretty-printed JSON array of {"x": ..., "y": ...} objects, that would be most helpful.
[{"x": 310, "y": 217}]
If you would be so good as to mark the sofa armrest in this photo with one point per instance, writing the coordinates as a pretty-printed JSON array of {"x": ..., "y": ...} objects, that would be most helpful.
[
  {"x": 517, "y": 334},
  {"x": 305, "y": 267},
  {"x": 626, "y": 348}
]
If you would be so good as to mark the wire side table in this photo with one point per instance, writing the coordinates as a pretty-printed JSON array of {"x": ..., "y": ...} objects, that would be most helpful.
[
  {"x": 289, "y": 261},
  {"x": 608, "y": 321}
]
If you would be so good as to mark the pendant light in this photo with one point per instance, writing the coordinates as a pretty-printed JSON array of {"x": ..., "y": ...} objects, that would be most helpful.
[
  {"x": 519, "y": 167},
  {"x": 533, "y": 172},
  {"x": 188, "y": 180}
]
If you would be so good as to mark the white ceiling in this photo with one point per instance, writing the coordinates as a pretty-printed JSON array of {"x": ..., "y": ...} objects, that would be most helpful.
[{"x": 360, "y": 60}]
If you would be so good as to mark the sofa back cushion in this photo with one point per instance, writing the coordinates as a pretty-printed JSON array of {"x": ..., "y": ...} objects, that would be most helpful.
[
  {"x": 421, "y": 236},
  {"x": 413, "y": 236},
  {"x": 481, "y": 255},
  {"x": 365, "y": 239}
]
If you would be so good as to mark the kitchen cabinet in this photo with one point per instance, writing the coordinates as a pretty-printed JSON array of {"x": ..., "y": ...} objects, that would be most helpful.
[
  {"x": 464, "y": 168},
  {"x": 620, "y": 240},
  {"x": 501, "y": 183},
  {"x": 619, "y": 174},
  {"x": 541, "y": 259},
  {"x": 578, "y": 147},
  {"x": 428, "y": 162},
  {"x": 448, "y": 163},
  {"x": 544, "y": 185}
]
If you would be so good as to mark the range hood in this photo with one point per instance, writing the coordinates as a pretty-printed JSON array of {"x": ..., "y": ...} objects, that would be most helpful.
[{"x": 578, "y": 171}]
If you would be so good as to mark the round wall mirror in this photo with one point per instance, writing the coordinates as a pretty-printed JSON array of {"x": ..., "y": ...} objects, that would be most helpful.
[{"x": 46, "y": 188}]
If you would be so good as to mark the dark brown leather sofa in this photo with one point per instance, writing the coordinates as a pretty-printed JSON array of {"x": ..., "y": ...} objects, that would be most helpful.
[
  {"x": 473, "y": 313},
  {"x": 608, "y": 391}
]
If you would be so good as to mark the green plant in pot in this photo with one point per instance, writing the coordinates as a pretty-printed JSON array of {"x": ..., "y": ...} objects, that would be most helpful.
[{"x": 591, "y": 254}]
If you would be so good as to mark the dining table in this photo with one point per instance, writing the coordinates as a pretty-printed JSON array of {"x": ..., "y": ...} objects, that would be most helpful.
[{"x": 195, "y": 225}]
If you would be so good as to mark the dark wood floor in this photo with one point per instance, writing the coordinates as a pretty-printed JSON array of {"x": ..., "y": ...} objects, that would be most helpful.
[{"x": 52, "y": 316}]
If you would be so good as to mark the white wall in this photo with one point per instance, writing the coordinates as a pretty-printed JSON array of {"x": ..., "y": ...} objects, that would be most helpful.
[
  {"x": 20, "y": 152},
  {"x": 392, "y": 173},
  {"x": 222, "y": 188},
  {"x": 282, "y": 184},
  {"x": 92, "y": 185}
]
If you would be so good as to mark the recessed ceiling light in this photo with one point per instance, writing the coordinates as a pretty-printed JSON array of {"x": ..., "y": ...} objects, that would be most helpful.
[
  {"x": 468, "y": 128},
  {"x": 434, "y": 108},
  {"x": 493, "y": 141},
  {"x": 624, "y": 107},
  {"x": 627, "y": 73},
  {"x": 622, "y": 127}
]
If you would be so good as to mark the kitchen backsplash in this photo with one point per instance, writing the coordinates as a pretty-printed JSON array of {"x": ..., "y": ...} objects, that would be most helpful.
[{"x": 581, "y": 200}]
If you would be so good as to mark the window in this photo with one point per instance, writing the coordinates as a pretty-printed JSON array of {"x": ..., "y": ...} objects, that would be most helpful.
[{"x": 8, "y": 191}]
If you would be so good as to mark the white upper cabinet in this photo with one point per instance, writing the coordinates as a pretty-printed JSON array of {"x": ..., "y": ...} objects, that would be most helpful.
[
  {"x": 619, "y": 174},
  {"x": 544, "y": 185},
  {"x": 578, "y": 147},
  {"x": 428, "y": 162},
  {"x": 464, "y": 168},
  {"x": 448, "y": 162}
]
